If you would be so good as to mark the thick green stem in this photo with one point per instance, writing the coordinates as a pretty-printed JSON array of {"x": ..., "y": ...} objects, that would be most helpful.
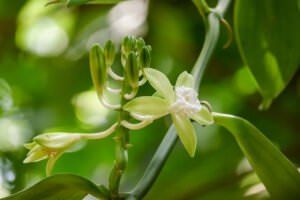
[
  {"x": 170, "y": 138},
  {"x": 121, "y": 153},
  {"x": 156, "y": 164}
]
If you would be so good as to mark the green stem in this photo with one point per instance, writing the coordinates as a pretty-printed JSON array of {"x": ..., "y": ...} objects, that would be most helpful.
[
  {"x": 121, "y": 152},
  {"x": 156, "y": 164},
  {"x": 211, "y": 39},
  {"x": 166, "y": 146}
]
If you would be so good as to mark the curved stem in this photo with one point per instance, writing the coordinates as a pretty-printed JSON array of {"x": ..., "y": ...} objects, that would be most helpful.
[
  {"x": 109, "y": 106},
  {"x": 211, "y": 39},
  {"x": 107, "y": 132},
  {"x": 136, "y": 126},
  {"x": 114, "y": 75},
  {"x": 166, "y": 146},
  {"x": 156, "y": 164},
  {"x": 114, "y": 91}
]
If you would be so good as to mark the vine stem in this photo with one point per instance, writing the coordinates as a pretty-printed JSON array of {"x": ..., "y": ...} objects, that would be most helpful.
[{"x": 212, "y": 20}]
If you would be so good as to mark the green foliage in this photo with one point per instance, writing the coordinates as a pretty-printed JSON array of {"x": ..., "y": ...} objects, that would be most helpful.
[
  {"x": 278, "y": 174},
  {"x": 47, "y": 84},
  {"x": 267, "y": 33},
  {"x": 59, "y": 187}
]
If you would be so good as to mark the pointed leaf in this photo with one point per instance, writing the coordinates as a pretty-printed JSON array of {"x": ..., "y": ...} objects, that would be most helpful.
[
  {"x": 154, "y": 106},
  {"x": 268, "y": 39},
  {"x": 161, "y": 83},
  {"x": 278, "y": 174},
  {"x": 59, "y": 187},
  {"x": 203, "y": 117},
  {"x": 186, "y": 133},
  {"x": 185, "y": 79}
]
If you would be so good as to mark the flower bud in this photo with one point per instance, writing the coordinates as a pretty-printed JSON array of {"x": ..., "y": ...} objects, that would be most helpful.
[
  {"x": 128, "y": 45},
  {"x": 98, "y": 68},
  {"x": 140, "y": 43},
  {"x": 145, "y": 58},
  {"x": 57, "y": 141},
  {"x": 132, "y": 69},
  {"x": 109, "y": 53}
]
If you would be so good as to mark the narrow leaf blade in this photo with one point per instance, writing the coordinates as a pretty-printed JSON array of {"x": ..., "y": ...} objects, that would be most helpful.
[{"x": 277, "y": 173}]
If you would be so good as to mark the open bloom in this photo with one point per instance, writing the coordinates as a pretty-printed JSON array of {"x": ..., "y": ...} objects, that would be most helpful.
[{"x": 182, "y": 103}]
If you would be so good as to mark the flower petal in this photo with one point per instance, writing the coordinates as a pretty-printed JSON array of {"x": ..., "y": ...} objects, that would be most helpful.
[
  {"x": 203, "y": 117},
  {"x": 36, "y": 156},
  {"x": 186, "y": 80},
  {"x": 153, "y": 106},
  {"x": 161, "y": 83},
  {"x": 186, "y": 133}
]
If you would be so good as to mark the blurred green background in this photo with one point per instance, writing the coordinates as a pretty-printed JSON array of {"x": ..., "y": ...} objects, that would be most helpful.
[{"x": 45, "y": 85}]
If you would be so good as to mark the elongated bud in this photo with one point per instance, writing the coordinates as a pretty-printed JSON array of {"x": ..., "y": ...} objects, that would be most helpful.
[
  {"x": 98, "y": 68},
  {"x": 57, "y": 141},
  {"x": 132, "y": 69},
  {"x": 109, "y": 53},
  {"x": 128, "y": 45},
  {"x": 140, "y": 43},
  {"x": 145, "y": 58},
  {"x": 149, "y": 48}
]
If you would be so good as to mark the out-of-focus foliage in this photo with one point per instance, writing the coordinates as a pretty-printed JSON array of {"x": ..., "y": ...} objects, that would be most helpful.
[
  {"x": 62, "y": 186},
  {"x": 268, "y": 37},
  {"x": 53, "y": 92}
]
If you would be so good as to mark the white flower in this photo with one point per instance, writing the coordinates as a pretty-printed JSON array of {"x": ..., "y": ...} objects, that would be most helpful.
[
  {"x": 182, "y": 104},
  {"x": 187, "y": 103}
]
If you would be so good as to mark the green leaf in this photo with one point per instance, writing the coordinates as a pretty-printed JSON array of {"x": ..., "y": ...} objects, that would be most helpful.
[
  {"x": 186, "y": 80},
  {"x": 268, "y": 39},
  {"x": 278, "y": 174},
  {"x": 79, "y": 2},
  {"x": 160, "y": 83},
  {"x": 203, "y": 117},
  {"x": 59, "y": 187},
  {"x": 153, "y": 106},
  {"x": 186, "y": 133}
]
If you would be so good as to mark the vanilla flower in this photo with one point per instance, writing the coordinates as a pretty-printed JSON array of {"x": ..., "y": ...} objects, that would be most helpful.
[{"x": 182, "y": 103}]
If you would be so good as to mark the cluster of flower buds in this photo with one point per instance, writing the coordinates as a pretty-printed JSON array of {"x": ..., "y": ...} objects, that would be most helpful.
[{"x": 135, "y": 56}]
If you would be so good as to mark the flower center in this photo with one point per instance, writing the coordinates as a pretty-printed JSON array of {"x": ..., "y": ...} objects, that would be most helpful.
[{"x": 187, "y": 102}]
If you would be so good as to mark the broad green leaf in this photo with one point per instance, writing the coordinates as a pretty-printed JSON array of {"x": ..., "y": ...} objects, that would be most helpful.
[
  {"x": 203, "y": 117},
  {"x": 268, "y": 39},
  {"x": 153, "y": 106},
  {"x": 59, "y": 187},
  {"x": 186, "y": 80},
  {"x": 160, "y": 83},
  {"x": 186, "y": 133},
  {"x": 79, "y": 2},
  {"x": 277, "y": 173}
]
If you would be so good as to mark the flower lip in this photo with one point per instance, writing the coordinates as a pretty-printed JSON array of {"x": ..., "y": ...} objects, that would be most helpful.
[{"x": 186, "y": 103}]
